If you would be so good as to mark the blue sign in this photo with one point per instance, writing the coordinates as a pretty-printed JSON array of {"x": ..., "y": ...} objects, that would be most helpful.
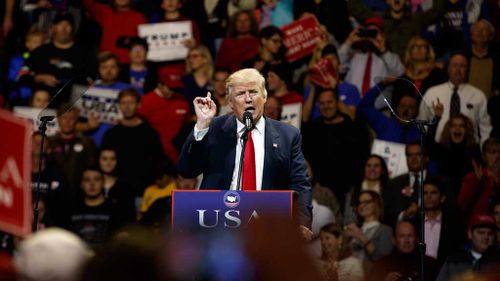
[{"x": 229, "y": 209}]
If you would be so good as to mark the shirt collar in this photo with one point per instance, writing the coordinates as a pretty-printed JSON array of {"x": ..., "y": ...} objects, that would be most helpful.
[
  {"x": 259, "y": 127},
  {"x": 437, "y": 219}
]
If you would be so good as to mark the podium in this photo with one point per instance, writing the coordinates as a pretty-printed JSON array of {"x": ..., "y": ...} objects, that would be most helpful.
[{"x": 198, "y": 210}]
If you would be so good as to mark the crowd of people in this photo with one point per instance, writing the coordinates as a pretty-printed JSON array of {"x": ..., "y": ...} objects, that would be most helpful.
[{"x": 106, "y": 186}]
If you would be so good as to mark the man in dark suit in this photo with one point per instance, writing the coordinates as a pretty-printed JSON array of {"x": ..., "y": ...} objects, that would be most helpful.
[{"x": 273, "y": 156}]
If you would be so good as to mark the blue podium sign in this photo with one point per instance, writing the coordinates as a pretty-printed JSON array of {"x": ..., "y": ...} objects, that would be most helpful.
[{"x": 226, "y": 209}]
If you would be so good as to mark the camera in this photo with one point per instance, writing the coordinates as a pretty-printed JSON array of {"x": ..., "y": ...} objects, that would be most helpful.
[{"x": 367, "y": 33}]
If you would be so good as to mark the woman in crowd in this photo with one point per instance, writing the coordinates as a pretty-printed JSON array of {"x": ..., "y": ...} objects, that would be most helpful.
[
  {"x": 372, "y": 239},
  {"x": 421, "y": 70},
  {"x": 199, "y": 70},
  {"x": 337, "y": 261}
]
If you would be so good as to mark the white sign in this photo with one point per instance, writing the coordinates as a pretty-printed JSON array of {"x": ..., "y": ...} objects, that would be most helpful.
[
  {"x": 394, "y": 156},
  {"x": 103, "y": 102},
  {"x": 292, "y": 114},
  {"x": 165, "y": 40},
  {"x": 31, "y": 114}
]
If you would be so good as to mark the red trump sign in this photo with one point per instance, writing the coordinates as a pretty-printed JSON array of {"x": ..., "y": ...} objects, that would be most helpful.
[
  {"x": 15, "y": 175},
  {"x": 301, "y": 37}
]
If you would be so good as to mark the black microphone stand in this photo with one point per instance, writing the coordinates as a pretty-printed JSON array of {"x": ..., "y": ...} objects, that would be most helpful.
[
  {"x": 43, "y": 129},
  {"x": 244, "y": 139}
]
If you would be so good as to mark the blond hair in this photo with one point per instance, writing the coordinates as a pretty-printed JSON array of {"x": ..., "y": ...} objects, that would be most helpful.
[
  {"x": 209, "y": 65},
  {"x": 246, "y": 75}
]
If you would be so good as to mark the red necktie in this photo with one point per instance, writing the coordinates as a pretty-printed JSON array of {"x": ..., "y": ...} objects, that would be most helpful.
[
  {"x": 249, "y": 177},
  {"x": 367, "y": 76}
]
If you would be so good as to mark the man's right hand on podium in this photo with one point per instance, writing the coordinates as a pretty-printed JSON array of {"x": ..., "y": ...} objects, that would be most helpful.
[{"x": 205, "y": 109}]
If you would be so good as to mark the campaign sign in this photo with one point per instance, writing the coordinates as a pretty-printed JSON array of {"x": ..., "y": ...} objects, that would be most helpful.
[
  {"x": 196, "y": 210},
  {"x": 32, "y": 114},
  {"x": 301, "y": 37},
  {"x": 292, "y": 114},
  {"x": 394, "y": 156},
  {"x": 97, "y": 101},
  {"x": 165, "y": 40},
  {"x": 15, "y": 174}
]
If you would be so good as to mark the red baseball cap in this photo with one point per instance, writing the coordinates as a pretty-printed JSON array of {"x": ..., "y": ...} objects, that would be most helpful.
[
  {"x": 377, "y": 21},
  {"x": 482, "y": 220}
]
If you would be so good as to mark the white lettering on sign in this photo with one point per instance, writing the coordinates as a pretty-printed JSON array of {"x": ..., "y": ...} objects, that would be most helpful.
[
  {"x": 11, "y": 171},
  {"x": 6, "y": 197}
]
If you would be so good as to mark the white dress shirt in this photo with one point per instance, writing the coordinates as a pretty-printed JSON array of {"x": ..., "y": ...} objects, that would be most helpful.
[
  {"x": 432, "y": 235},
  {"x": 258, "y": 136}
]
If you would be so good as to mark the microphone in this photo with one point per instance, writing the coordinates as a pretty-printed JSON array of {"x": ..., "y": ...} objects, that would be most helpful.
[{"x": 248, "y": 120}]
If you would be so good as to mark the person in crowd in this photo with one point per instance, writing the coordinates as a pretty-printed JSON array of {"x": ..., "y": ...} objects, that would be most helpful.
[
  {"x": 219, "y": 90},
  {"x": 484, "y": 60},
  {"x": 337, "y": 261},
  {"x": 109, "y": 71},
  {"x": 371, "y": 240},
  {"x": 399, "y": 25},
  {"x": 40, "y": 98},
  {"x": 274, "y": 13},
  {"x": 402, "y": 191},
  {"x": 394, "y": 128},
  {"x": 241, "y": 43},
  {"x": 457, "y": 96},
  {"x": 52, "y": 187},
  {"x": 62, "y": 59},
  {"x": 482, "y": 185},
  {"x": 348, "y": 93},
  {"x": 376, "y": 176},
  {"x": 456, "y": 150},
  {"x": 279, "y": 78},
  {"x": 139, "y": 73},
  {"x": 70, "y": 151},
  {"x": 439, "y": 223},
  {"x": 273, "y": 107},
  {"x": 119, "y": 22},
  {"x": 271, "y": 50},
  {"x": 421, "y": 71},
  {"x": 199, "y": 71},
  {"x": 138, "y": 146},
  {"x": 214, "y": 138},
  {"x": 335, "y": 146},
  {"x": 93, "y": 217},
  {"x": 167, "y": 112},
  {"x": 116, "y": 190},
  {"x": 481, "y": 256},
  {"x": 401, "y": 263},
  {"x": 367, "y": 56},
  {"x": 165, "y": 183},
  {"x": 19, "y": 94},
  {"x": 63, "y": 257}
]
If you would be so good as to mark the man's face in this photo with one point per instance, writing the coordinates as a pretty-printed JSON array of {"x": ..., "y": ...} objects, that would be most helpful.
[
  {"x": 62, "y": 32},
  {"x": 405, "y": 237},
  {"x": 67, "y": 122},
  {"x": 138, "y": 54},
  {"x": 274, "y": 82},
  {"x": 482, "y": 238},
  {"x": 107, "y": 161},
  {"x": 328, "y": 105},
  {"x": 413, "y": 158},
  {"x": 457, "y": 69},
  {"x": 92, "y": 183},
  {"x": 128, "y": 106},
  {"x": 219, "y": 82},
  {"x": 247, "y": 96},
  {"x": 480, "y": 32},
  {"x": 243, "y": 23},
  {"x": 108, "y": 70},
  {"x": 407, "y": 108},
  {"x": 396, "y": 5},
  {"x": 432, "y": 197}
]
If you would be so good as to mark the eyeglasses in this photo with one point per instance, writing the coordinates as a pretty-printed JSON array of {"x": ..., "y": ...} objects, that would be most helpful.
[
  {"x": 365, "y": 202},
  {"x": 193, "y": 56}
]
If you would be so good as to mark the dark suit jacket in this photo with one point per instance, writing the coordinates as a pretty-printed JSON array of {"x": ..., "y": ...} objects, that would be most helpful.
[{"x": 284, "y": 164}]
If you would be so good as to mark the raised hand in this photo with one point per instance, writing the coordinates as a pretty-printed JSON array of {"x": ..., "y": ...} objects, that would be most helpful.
[
  {"x": 438, "y": 108},
  {"x": 205, "y": 110}
]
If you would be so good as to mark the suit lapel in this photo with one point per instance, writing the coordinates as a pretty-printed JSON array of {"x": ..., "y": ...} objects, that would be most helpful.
[
  {"x": 270, "y": 154},
  {"x": 228, "y": 139}
]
